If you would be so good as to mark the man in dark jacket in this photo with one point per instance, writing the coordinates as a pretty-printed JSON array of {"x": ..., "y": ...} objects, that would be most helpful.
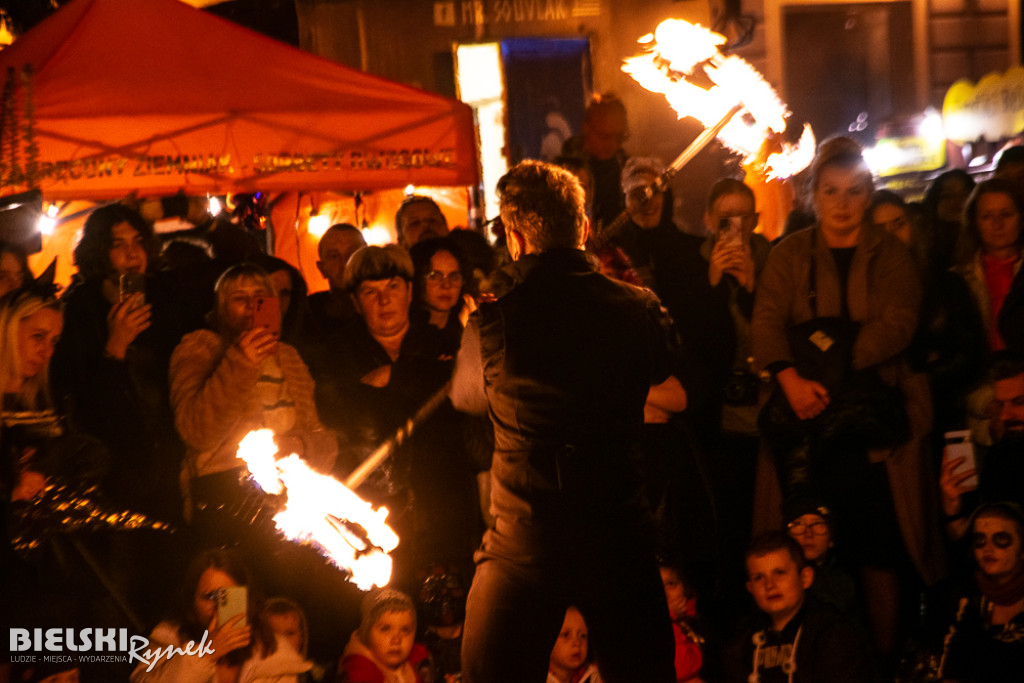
[{"x": 563, "y": 361}]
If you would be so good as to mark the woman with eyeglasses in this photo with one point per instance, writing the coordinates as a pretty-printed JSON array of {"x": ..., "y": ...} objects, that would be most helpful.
[
  {"x": 441, "y": 276},
  {"x": 986, "y": 639}
]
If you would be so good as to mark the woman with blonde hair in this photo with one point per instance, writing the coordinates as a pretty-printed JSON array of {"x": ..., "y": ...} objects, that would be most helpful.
[
  {"x": 30, "y": 324},
  {"x": 234, "y": 378}
]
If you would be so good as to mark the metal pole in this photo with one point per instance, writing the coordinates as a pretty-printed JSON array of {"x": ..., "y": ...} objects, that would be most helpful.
[
  {"x": 377, "y": 458},
  {"x": 659, "y": 185}
]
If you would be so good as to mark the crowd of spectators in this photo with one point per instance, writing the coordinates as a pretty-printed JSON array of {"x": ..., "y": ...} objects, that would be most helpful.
[{"x": 833, "y": 459}]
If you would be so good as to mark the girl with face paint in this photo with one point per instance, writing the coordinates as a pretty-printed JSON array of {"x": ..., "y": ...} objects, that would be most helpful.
[{"x": 986, "y": 640}]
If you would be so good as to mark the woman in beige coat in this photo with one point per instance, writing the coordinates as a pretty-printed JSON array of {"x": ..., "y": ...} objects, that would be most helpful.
[
  {"x": 883, "y": 499},
  {"x": 230, "y": 380}
]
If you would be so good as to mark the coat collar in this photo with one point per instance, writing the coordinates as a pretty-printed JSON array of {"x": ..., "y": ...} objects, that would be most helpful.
[{"x": 564, "y": 260}]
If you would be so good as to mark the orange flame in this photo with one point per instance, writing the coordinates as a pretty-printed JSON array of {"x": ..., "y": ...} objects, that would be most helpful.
[
  {"x": 322, "y": 512},
  {"x": 678, "y": 49}
]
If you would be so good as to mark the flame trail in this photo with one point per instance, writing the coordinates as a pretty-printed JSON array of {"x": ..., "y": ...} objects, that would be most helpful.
[
  {"x": 323, "y": 512},
  {"x": 678, "y": 50}
]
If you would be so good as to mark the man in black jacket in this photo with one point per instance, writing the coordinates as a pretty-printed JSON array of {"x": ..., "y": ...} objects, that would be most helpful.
[{"x": 563, "y": 361}]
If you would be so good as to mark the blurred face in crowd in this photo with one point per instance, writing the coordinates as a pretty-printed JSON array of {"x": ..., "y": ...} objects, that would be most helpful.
[
  {"x": 604, "y": 131},
  {"x": 384, "y": 305},
  {"x": 335, "y": 248},
  {"x": 570, "y": 649},
  {"x": 894, "y": 220},
  {"x": 204, "y": 602},
  {"x": 735, "y": 205},
  {"x": 952, "y": 199},
  {"x": 997, "y": 547},
  {"x": 421, "y": 220},
  {"x": 391, "y": 638},
  {"x": 645, "y": 212},
  {"x": 127, "y": 252},
  {"x": 1009, "y": 407},
  {"x": 675, "y": 592},
  {"x": 998, "y": 224},
  {"x": 841, "y": 198},
  {"x": 1013, "y": 171},
  {"x": 443, "y": 283},
  {"x": 239, "y": 309},
  {"x": 283, "y": 284},
  {"x": 287, "y": 627},
  {"x": 778, "y": 585},
  {"x": 812, "y": 533},
  {"x": 11, "y": 274},
  {"x": 37, "y": 337}
]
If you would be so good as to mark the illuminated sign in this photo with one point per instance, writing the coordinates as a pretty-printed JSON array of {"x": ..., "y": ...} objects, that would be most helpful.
[
  {"x": 223, "y": 165},
  {"x": 993, "y": 109}
]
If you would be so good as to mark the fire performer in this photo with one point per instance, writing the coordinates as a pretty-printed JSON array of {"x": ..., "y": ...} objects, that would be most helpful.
[{"x": 563, "y": 360}]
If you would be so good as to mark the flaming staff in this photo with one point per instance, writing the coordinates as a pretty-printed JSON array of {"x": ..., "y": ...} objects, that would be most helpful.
[
  {"x": 679, "y": 53},
  {"x": 327, "y": 514}
]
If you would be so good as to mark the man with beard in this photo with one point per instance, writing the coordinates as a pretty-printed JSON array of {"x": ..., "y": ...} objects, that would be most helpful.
[{"x": 1002, "y": 473}]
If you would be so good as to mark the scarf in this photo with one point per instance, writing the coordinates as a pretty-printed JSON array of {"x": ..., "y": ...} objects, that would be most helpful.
[{"x": 1006, "y": 593}]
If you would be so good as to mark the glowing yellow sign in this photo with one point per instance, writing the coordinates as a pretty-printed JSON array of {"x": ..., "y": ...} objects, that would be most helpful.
[{"x": 993, "y": 109}]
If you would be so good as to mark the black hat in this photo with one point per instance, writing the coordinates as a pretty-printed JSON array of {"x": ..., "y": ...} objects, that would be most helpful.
[{"x": 805, "y": 504}]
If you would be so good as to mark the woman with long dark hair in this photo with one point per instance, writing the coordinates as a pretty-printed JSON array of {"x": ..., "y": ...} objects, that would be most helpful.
[
  {"x": 242, "y": 649},
  {"x": 110, "y": 367}
]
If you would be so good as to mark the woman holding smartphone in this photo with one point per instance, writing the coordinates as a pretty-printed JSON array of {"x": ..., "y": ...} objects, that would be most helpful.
[
  {"x": 238, "y": 649},
  {"x": 110, "y": 366},
  {"x": 232, "y": 379}
]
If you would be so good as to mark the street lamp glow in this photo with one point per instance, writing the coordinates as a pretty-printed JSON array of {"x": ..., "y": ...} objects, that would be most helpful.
[
  {"x": 318, "y": 225},
  {"x": 48, "y": 221}
]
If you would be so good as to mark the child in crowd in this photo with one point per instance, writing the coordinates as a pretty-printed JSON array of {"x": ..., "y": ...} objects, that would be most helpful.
[
  {"x": 682, "y": 606},
  {"x": 795, "y": 637},
  {"x": 240, "y": 648},
  {"x": 986, "y": 639},
  {"x": 286, "y": 622},
  {"x": 569, "y": 656},
  {"x": 809, "y": 522},
  {"x": 442, "y": 608},
  {"x": 383, "y": 650}
]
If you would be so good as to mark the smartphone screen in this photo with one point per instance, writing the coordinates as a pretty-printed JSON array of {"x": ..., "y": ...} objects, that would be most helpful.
[
  {"x": 231, "y": 601},
  {"x": 958, "y": 445},
  {"x": 268, "y": 315},
  {"x": 730, "y": 230},
  {"x": 132, "y": 283}
]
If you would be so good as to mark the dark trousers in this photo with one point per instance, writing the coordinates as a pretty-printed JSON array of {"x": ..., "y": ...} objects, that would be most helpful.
[{"x": 522, "y": 588}]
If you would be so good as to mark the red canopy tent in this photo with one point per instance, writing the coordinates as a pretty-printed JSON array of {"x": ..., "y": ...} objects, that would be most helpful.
[{"x": 155, "y": 96}]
